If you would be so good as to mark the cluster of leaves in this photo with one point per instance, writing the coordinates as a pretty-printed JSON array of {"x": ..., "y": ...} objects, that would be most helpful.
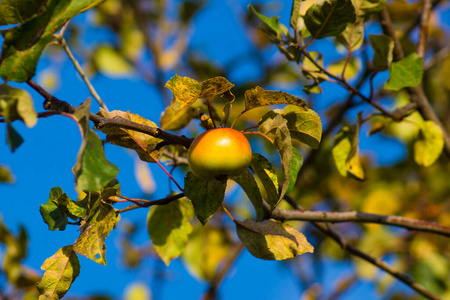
[{"x": 345, "y": 21}]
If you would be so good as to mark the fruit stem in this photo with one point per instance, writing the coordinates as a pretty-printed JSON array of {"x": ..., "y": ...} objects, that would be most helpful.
[
  {"x": 237, "y": 118},
  {"x": 248, "y": 128},
  {"x": 210, "y": 113},
  {"x": 168, "y": 174},
  {"x": 228, "y": 213}
]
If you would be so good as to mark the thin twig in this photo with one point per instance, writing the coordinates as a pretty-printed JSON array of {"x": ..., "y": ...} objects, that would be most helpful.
[
  {"x": 360, "y": 217},
  {"x": 80, "y": 71},
  {"x": 424, "y": 28},
  {"x": 328, "y": 230}
]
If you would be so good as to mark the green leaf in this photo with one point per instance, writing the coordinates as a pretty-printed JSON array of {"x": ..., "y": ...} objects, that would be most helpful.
[
  {"x": 169, "y": 228},
  {"x": 13, "y": 138},
  {"x": 61, "y": 270},
  {"x": 206, "y": 196},
  {"x": 16, "y": 104},
  {"x": 296, "y": 164},
  {"x": 353, "y": 35},
  {"x": 140, "y": 142},
  {"x": 5, "y": 175},
  {"x": 54, "y": 216},
  {"x": 92, "y": 170},
  {"x": 176, "y": 120},
  {"x": 271, "y": 26},
  {"x": 23, "y": 45},
  {"x": 95, "y": 229},
  {"x": 346, "y": 152},
  {"x": 19, "y": 11},
  {"x": 405, "y": 73},
  {"x": 428, "y": 147},
  {"x": 249, "y": 185},
  {"x": 272, "y": 240},
  {"x": 276, "y": 130},
  {"x": 329, "y": 17},
  {"x": 266, "y": 173},
  {"x": 185, "y": 91},
  {"x": 304, "y": 124},
  {"x": 383, "y": 47},
  {"x": 258, "y": 97},
  {"x": 207, "y": 248},
  {"x": 214, "y": 86}
]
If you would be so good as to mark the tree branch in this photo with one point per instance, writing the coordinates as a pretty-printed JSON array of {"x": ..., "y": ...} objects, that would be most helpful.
[
  {"x": 162, "y": 201},
  {"x": 54, "y": 104},
  {"x": 328, "y": 230},
  {"x": 360, "y": 217}
]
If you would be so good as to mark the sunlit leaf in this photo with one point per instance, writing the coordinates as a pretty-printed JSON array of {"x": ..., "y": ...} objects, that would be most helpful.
[
  {"x": 14, "y": 251},
  {"x": 276, "y": 130},
  {"x": 92, "y": 170},
  {"x": 366, "y": 7},
  {"x": 405, "y": 73},
  {"x": 346, "y": 152},
  {"x": 23, "y": 45},
  {"x": 383, "y": 47},
  {"x": 214, "y": 86},
  {"x": 353, "y": 35},
  {"x": 111, "y": 63},
  {"x": 185, "y": 91},
  {"x": 17, "y": 104},
  {"x": 61, "y": 270},
  {"x": 96, "y": 227},
  {"x": 206, "y": 196},
  {"x": 329, "y": 17},
  {"x": 311, "y": 70},
  {"x": 258, "y": 97},
  {"x": 352, "y": 67},
  {"x": 304, "y": 124},
  {"x": 169, "y": 228},
  {"x": 272, "y": 240},
  {"x": 428, "y": 147},
  {"x": 249, "y": 185},
  {"x": 138, "y": 291},
  {"x": 207, "y": 247},
  {"x": 295, "y": 13},
  {"x": 271, "y": 25},
  {"x": 266, "y": 173},
  {"x": 176, "y": 120},
  {"x": 139, "y": 142}
]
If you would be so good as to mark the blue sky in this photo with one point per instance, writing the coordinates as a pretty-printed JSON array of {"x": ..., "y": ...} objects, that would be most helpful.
[{"x": 49, "y": 152}]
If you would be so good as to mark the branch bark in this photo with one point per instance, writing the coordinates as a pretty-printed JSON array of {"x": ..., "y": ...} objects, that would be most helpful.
[
  {"x": 329, "y": 231},
  {"x": 52, "y": 103},
  {"x": 360, "y": 217}
]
